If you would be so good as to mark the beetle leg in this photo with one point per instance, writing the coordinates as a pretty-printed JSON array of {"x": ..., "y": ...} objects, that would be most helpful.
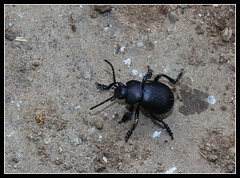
[
  {"x": 127, "y": 115},
  {"x": 129, "y": 133},
  {"x": 164, "y": 124},
  {"x": 169, "y": 78},
  {"x": 148, "y": 75},
  {"x": 104, "y": 87}
]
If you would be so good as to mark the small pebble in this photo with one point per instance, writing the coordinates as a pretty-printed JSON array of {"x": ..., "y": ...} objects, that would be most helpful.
[
  {"x": 128, "y": 62},
  {"x": 226, "y": 34},
  {"x": 223, "y": 108},
  {"x": 122, "y": 49},
  {"x": 40, "y": 119},
  {"x": 103, "y": 8},
  {"x": 105, "y": 159},
  {"x": 169, "y": 30},
  {"x": 171, "y": 170},
  {"x": 210, "y": 100},
  {"x": 140, "y": 44},
  {"x": 35, "y": 64},
  {"x": 58, "y": 161},
  {"x": 156, "y": 134},
  {"x": 98, "y": 124},
  {"x": 230, "y": 168},
  {"x": 9, "y": 35},
  {"x": 150, "y": 46},
  {"x": 223, "y": 58},
  {"x": 134, "y": 72},
  {"x": 93, "y": 14},
  {"x": 200, "y": 30}
]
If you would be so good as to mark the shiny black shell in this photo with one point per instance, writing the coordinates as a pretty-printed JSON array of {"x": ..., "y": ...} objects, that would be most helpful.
[{"x": 155, "y": 97}]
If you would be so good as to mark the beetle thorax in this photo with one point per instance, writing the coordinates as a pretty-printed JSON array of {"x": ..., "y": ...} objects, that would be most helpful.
[{"x": 134, "y": 92}]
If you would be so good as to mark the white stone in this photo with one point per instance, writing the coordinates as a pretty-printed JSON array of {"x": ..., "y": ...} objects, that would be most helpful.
[{"x": 156, "y": 134}]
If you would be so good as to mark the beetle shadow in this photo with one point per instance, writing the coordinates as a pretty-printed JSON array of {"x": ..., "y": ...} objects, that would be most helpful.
[{"x": 161, "y": 116}]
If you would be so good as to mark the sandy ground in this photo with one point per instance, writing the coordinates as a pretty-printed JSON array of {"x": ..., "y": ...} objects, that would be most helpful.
[{"x": 55, "y": 54}]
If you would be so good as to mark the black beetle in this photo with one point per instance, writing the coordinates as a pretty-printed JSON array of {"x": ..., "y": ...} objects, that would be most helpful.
[{"x": 155, "y": 97}]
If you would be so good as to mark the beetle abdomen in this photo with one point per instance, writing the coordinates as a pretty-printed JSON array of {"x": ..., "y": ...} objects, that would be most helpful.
[{"x": 157, "y": 98}]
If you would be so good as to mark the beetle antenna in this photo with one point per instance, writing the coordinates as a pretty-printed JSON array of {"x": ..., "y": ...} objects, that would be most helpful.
[
  {"x": 114, "y": 78},
  {"x": 112, "y": 98}
]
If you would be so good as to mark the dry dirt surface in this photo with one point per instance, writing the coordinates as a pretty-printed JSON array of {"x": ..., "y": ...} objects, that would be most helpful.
[{"x": 54, "y": 55}]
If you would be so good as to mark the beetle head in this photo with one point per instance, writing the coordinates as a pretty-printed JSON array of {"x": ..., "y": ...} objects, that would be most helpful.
[{"x": 121, "y": 91}]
